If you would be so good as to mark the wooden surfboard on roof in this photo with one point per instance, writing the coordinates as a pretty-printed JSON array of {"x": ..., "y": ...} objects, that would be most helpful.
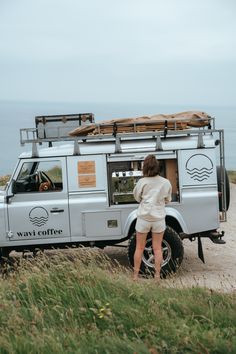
[{"x": 176, "y": 121}]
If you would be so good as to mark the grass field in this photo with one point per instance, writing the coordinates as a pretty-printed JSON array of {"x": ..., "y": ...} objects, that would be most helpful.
[{"x": 78, "y": 302}]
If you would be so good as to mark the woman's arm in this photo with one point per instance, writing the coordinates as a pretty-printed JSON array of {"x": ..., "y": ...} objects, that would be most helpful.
[
  {"x": 138, "y": 192},
  {"x": 169, "y": 192}
]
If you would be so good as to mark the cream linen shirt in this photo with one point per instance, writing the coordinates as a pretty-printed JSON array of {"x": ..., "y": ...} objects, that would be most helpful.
[{"x": 152, "y": 193}]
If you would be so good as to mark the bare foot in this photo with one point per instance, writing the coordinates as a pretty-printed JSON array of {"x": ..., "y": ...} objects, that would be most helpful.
[
  {"x": 135, "y": 275},
  {"x": 157, "y": 278}
]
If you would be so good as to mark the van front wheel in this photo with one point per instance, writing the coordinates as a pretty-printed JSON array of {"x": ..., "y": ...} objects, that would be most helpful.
[{"x": 172, "y": 249}]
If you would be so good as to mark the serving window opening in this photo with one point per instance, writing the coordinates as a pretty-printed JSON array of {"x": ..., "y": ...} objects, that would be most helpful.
[{"x": 124, "y": 175}]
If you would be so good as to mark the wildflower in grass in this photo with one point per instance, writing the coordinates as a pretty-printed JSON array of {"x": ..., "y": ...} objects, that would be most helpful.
[{"x": 102, "y": 311}]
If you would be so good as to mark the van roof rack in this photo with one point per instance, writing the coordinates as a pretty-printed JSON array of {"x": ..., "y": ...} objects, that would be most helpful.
[
  {"x": 51, "y": 129},
  {"x": 57, "y": 128}
]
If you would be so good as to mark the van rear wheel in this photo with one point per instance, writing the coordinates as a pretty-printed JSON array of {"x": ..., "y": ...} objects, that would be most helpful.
[{"x": 172, "y": 249}]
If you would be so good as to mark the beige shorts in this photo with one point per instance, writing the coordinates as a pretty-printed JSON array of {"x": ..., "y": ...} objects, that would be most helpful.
[{"x": 144, "y": 226}]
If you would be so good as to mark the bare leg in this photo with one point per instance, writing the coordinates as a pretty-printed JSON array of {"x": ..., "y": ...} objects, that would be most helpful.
[
  {"x": 157, "y": 249},
  {"x": 140, "y": 245}
]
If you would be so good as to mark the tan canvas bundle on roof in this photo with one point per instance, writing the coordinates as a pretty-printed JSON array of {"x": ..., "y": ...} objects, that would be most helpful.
[{"x": 179, "y": 121}]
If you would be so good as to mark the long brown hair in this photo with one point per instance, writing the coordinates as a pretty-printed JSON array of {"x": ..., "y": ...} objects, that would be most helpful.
[{"x": 151, "y": 166}]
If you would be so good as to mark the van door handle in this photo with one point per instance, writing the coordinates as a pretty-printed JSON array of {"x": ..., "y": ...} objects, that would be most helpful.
[{"x": 55, "y": 211}]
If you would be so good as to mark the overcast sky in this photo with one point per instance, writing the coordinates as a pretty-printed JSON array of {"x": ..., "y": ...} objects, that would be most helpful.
[{"x": 162, "y": 51}]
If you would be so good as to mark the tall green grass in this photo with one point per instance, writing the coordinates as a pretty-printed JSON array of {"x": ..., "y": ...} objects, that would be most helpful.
[
  {"x": 232, "y": 176},
  {"x": 80, "y": 302}
]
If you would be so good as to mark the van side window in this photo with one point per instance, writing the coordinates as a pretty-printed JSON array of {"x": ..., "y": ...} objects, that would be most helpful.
[{"x": 39, "y": 176}]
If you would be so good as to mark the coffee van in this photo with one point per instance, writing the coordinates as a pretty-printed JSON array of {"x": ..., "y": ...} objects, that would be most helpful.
[{"x": 78, "y": 190}]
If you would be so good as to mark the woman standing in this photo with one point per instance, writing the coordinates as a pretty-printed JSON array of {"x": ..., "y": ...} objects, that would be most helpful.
[{"x": 152, "y": 192}]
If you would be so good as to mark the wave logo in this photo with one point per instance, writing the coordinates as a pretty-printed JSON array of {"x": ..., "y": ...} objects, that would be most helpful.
[
  {"x": 199, "y": 167},
  {"x": 38, "y": 216}
]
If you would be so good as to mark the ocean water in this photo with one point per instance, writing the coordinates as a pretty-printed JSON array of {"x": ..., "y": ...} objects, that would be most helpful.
[{"x": 16, "y": 115}]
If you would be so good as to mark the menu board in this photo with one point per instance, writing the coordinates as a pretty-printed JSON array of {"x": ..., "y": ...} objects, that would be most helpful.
[
  {"x": 86, "y": 174},
  {"x": 86, "y": 167}
]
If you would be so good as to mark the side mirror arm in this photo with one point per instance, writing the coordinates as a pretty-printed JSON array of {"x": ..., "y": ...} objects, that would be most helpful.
[{"x": 10, "y": 192}]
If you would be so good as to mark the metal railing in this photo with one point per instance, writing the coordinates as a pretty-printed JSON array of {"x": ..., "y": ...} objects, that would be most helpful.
[{"x": 31, "y": 135}]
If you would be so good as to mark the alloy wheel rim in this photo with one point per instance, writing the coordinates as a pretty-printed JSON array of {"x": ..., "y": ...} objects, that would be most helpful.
[{"x": 148, "y": 255}]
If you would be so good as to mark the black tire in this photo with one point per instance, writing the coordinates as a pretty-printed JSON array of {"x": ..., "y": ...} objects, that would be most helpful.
[
  {"x": 172, "y": 248},
  {"x": 227, "y": 188},
  {"x": 4, "y": 253}
]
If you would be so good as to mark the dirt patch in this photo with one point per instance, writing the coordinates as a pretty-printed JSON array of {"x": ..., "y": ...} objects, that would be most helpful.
[{"x": 219, "y": 270}]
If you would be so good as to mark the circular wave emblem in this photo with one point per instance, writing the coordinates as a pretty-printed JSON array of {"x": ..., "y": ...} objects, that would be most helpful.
[
  {"x": 38, "y": 216},
  {"x": 199, "y": 167}
]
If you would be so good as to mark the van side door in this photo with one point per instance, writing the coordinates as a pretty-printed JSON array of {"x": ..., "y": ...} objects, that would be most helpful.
[
  {"x": 90, "y": 214},
  {"x": 38, "y": 202}
]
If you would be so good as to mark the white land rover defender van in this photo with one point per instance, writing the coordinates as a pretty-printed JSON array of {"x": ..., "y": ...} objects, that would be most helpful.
[{"x": 78, "y": 190}]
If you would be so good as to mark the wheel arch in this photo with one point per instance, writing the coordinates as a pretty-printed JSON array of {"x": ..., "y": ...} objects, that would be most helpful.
[
  {"x": 130, "y": 224},
  {"x": 174, "y": 224},
  {"x": 175, "y": 220}
]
